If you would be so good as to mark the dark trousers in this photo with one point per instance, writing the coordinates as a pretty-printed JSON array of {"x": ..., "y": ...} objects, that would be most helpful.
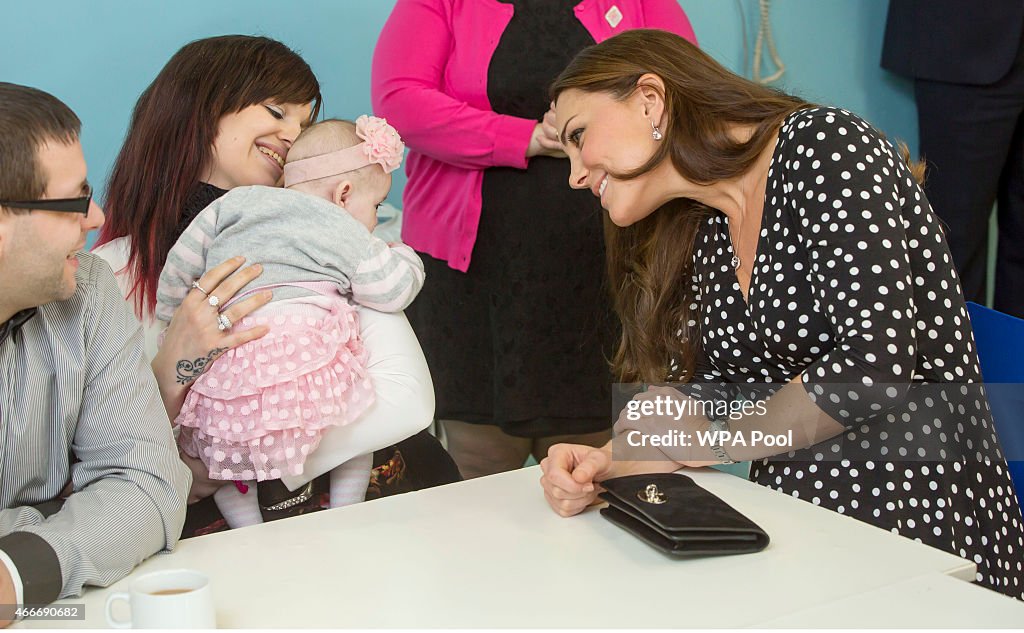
[{"x": 972, "y": 138}]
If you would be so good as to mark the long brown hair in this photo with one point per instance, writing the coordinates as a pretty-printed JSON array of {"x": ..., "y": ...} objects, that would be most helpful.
[
  {"x": 650, "y": 263},
  {"x": 171, "y": 134}
]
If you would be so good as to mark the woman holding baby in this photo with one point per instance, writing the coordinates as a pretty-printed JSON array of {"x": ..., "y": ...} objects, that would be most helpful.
[{"x": 229, "y": 129}]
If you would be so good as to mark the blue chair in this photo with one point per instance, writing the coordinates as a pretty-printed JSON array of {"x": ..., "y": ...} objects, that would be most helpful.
[{"x": 1000, "y": 340}]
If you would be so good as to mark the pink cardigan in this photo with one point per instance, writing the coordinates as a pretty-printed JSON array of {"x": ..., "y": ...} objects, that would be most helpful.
[{"x": 430, "y": 82}]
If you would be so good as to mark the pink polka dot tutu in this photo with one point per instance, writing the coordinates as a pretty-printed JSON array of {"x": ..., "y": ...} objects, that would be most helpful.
[{"x": 260, "y": 408}]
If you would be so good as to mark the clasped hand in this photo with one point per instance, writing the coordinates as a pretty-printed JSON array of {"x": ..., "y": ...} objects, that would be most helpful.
[
  {"x": 544, "y": 141},
  {"x": 573, "y": 472}
]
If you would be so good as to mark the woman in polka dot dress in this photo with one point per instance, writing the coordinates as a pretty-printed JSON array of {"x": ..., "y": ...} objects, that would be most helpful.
[{"x": 767, "y": 249}]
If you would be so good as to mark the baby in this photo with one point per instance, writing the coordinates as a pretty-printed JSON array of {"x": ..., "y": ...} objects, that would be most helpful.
[{"x": 260, "y": 408}]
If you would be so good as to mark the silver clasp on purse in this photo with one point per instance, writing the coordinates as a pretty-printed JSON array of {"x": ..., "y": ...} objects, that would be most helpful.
[{"x": 651, "y": 494}]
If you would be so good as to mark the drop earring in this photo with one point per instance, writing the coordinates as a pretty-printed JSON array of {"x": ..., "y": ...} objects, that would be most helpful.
[{"x": 655, "y": 132}]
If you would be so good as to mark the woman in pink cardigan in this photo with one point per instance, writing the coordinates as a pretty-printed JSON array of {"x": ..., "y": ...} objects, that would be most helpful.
[{"x": 513, "y": 319}]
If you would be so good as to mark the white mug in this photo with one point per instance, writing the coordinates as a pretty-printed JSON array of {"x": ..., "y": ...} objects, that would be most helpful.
[{"x": 167, "y": 599}]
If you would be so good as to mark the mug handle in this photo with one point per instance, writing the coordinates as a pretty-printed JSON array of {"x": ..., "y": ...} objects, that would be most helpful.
[{"x": 117, "y": 624}]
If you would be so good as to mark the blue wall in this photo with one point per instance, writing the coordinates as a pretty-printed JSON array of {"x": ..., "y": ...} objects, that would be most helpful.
[
  {"x": 831, "y": 49},
  {"x": 99, "y": 55}
]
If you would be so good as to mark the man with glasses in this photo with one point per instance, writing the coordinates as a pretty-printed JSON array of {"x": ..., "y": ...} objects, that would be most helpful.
[{"x": 91, "y": 481}]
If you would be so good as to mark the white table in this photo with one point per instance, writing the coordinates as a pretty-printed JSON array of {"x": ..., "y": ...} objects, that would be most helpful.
[
  {"x": 489, "y": 553},
  {"x": 932, "y": 601}
]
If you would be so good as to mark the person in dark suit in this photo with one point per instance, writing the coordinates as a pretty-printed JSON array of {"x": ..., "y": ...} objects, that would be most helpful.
[{"x": 967, "y": 62}]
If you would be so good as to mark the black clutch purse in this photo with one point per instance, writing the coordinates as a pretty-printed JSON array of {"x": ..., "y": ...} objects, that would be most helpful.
[{"x": 673, "y": 514}]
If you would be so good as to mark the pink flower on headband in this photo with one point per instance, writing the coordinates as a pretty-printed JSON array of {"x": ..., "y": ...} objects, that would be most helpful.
[{"x": 381, "y": 142}]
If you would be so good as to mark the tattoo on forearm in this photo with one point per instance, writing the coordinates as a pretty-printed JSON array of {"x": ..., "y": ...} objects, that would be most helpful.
[{"x": 189, "y": 370}]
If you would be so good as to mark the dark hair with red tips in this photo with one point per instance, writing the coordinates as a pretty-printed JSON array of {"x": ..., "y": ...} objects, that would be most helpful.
[{"x": 171, "y": 135}]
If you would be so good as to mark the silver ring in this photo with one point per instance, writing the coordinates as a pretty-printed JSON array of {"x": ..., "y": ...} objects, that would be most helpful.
[
  {"x": 195, "y": 284},
  {"x": 213, "y": 300},
  {"x": 223, "y": 322}
]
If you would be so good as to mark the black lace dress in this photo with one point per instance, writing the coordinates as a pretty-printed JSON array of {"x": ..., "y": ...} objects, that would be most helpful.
[{"x": 521, "y": 339}]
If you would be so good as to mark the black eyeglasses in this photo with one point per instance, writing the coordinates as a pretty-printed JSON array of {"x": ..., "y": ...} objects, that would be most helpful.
[{"x": 65, "y": 205}]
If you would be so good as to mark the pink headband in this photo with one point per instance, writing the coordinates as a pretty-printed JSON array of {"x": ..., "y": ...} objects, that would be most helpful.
[{"x": 381, "y": 145}]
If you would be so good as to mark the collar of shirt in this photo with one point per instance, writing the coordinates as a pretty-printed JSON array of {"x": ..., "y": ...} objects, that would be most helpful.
[{"x": 13, "y": 324}]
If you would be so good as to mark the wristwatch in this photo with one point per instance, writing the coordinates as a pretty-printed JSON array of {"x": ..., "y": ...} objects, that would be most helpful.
[{"x": 718, "y": 427}]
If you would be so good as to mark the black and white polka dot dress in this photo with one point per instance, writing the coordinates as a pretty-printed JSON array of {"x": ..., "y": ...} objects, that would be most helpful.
[{"x": 853, "y": 289}]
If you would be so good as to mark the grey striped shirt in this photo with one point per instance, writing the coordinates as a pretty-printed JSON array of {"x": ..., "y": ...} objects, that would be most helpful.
[{"x": 76, "y": 386}]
